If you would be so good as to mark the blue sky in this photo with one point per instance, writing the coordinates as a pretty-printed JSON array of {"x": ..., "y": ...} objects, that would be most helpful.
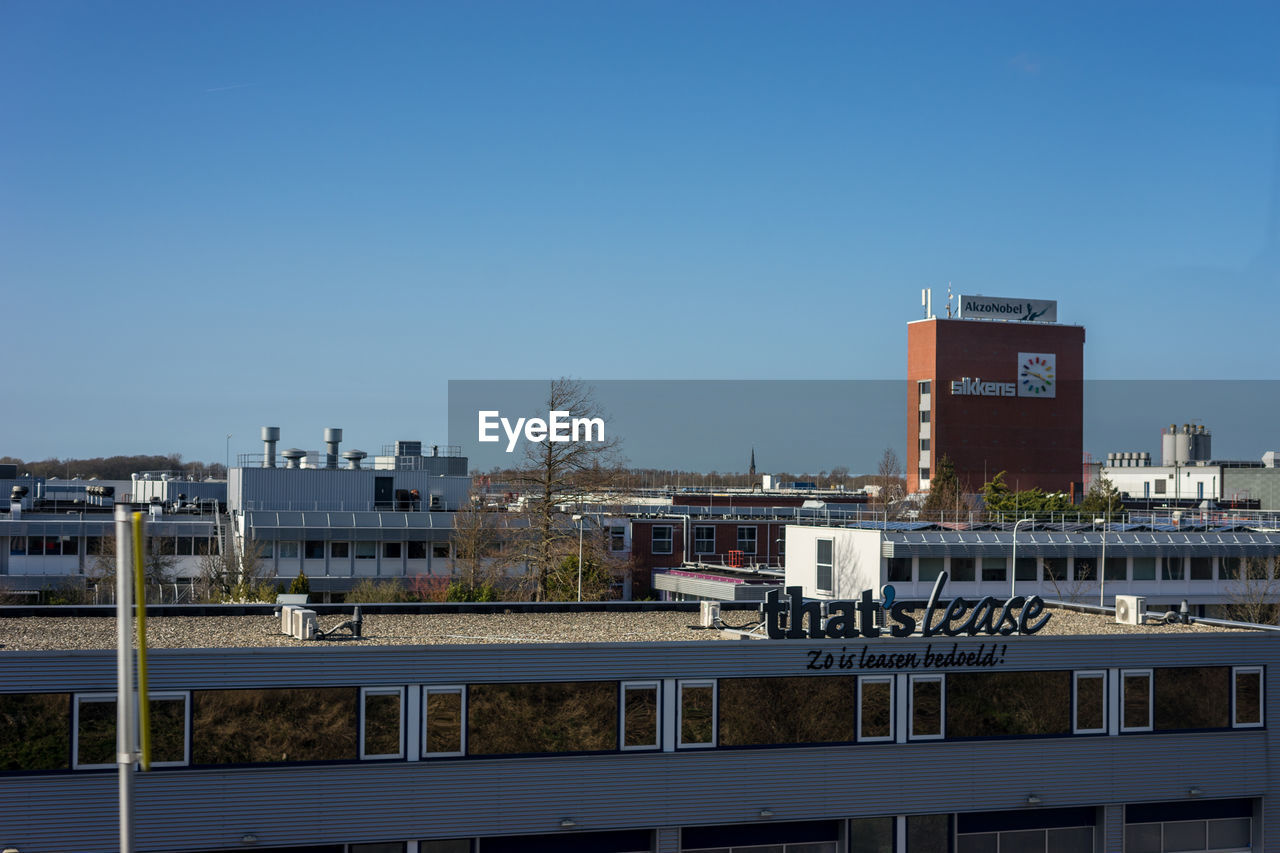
[{"x": 215, "y": 216}]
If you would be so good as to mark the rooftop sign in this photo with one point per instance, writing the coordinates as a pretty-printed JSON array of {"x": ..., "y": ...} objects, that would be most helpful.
[{"x": 1000, "y": 308}]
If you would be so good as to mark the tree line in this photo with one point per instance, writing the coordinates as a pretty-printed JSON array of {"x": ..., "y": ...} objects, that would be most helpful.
[{"x": 114, "y": 467}]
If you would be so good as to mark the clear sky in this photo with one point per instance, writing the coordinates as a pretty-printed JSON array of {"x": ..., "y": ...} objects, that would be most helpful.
[{"x": 215, "y": 216}]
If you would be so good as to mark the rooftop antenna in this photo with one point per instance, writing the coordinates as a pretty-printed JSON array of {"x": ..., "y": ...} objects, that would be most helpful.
[
  {"x": 948, "y": 300},
  {"x": 926, "y": 302}
]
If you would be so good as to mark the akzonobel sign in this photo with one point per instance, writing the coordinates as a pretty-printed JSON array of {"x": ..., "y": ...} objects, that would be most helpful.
[{"x": 999, "y": 308}]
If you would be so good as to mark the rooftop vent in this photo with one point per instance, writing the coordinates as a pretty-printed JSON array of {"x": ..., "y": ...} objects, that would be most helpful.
[
  {"x": 332, "y": 438},
  {"x": 293, "y": 457},
  {"x": 353, "y": 458},
  {"x": 270, "y": 435}
]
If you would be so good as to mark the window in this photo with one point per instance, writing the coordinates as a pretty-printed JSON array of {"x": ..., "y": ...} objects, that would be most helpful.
[
  {"x": 17, "y": 546},
  {"x": 1196, "y": 697},
  {"x": 1008, "y": 704},
  {"x": 289, "y": 550},
  {"x": 1084, "y": 569},
  {"x": 777, "y": 711},
  {"x": 1089, "y": 715},
  {"x": 415, "y": 550},
  {"x": 1026, "y": 569},
  {"x": 1201, "y": 568},
  {"x": 617, "y": 538},
  {"x": 662, "y": 539},
  {"x": 550, "y": 717},
  {"x": 697, "y": 723},
  {"x": 274, "y": 725},
  {"x": 1135, "y": 699},
  {"x": 640, "y": 715},
  {"x": 928, "y": 711},
  {"x": 1160, "y": 487},
  {"x": 875, "y": 708},
  {"x": 1055, "y": 569},
  {"x": 1229, "y": 568},
  {"x": 747, "y": 539},
  {"x": 704, "y": 539},
  {"x": 1117, "y": 568},
  {"x": 439, "y": 550},
  {"x": 366, "y": 550},
  {"x": 382, "y": 728},
  {"x": 391, "y": 550},
  {"x": 313, "y": 549},
  {"x": 924, "y": 473},
  {"x": 339, "y": 550},
  {"x": 443, "y": 710},
  {"x": 924, "y": 387},
  {"x": 825, "y": 564},
  {"x": 899, "y": 569},
  {"x": 995, "y": 568},
  {"x": 1144, "y": 568},
  {"x": 930, "y": 568},
  {"x": 1246, "y": 696},
  {"x": 166, "y": 545},
  {"x": 924, "y": 416},
  {"x": 69, "y": 545},
  {"x": 35, "y": 731},
  {"x": 186, "y": 546},
  {"x": 265, "y": 548},
  {"x": 928, "y": 832},
  {"x": 962, "y": 568},
  {"x": 1174, "y": 569},
  {"x": 924, "y": 445},
  {"x": 95, "y": 731}
]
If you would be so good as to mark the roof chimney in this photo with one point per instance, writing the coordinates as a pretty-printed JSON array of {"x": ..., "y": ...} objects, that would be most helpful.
[
  {"x": 353, "y": 458},
  {"x": 270, "y": 435},
  {"x": 293, "y": 457},
  {"x": 332, "y": 438}
]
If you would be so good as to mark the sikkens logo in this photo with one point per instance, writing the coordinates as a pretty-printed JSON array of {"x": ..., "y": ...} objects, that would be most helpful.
[
  {"x": 848, "y": 619},
  {"x": 558, "y": 427}
]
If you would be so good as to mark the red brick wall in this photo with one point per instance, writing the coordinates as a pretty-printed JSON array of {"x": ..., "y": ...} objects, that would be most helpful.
[{"x": 1037, "y": 442}]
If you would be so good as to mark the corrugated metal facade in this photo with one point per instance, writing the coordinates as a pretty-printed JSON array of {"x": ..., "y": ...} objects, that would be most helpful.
[{"x": 370, "y": 801}]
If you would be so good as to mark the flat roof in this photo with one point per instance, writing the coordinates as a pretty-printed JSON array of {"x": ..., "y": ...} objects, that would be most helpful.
[{"x": 61, "y": 633}]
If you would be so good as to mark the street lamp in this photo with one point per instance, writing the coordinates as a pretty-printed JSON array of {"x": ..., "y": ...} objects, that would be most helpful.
[
  {"x": 581, "y": 519},
  {"x": 1013, "y": 570},
  {"x": 1102, "y": 570},
  {"x": 227, "y": 469}
]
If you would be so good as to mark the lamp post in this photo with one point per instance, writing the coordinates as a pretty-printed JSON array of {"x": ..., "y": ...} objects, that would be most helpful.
[
  {"x": 1013, "y": 569},
  {"x": 581, "y": 519},
  {"x": 227, "y": 469},
  {"x": 1102, "y": 570}
]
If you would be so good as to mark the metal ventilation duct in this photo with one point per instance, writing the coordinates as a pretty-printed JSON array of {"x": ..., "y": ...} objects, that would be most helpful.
[
  {"x": 270, "y": 435},
  {"x": 293, "y": 457},
  {"x": 332, "y": 438},
  {"x": 353, "y": 458}
]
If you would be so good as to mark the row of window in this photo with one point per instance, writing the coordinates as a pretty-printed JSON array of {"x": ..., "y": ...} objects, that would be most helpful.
[
  {"x": 1050, "y": 569},
  {"x": 317, "y": 549},
  {"x": 69, "y": 546},
  {"x": 704, "y": 539},
  {"x": 54, "y": 731}
]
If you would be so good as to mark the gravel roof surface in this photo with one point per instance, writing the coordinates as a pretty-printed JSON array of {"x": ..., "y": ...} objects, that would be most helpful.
[{"x": 60, "y": 633}]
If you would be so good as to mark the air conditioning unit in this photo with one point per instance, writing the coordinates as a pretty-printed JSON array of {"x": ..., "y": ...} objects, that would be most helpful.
[
  {"x": 1131, "y": 609},
  {"x": 710, "y": 613},
  {"x": 304, "y": 624},
  {"x": 286, "y": 618}
]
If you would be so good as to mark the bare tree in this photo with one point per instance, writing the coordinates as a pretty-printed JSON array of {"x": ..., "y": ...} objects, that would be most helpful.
[
  {"x": 157, "y": 567},
  {"x": 889, "y": 482},
  {"x": 556, "y": 473},
  {"x": 483, "y": 543},
  {"x": 239, "y": 574},
  {"x": 1253, "y": 595}
]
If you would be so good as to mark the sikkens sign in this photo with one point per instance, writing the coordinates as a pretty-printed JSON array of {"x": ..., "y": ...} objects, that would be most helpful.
[{"x": 849, "y": 619}]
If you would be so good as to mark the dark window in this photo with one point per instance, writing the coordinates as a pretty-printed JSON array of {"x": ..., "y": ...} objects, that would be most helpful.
[
  {"x": 204, "y": 546},
  {"x": 165, "y": 545},
  {"x": 1192, "y": 698},
  {"x": 1248, "y": 697},
  {"x": 704, "y": 539},
  {"x": 617, "y": 538},
  {"x": 366, "y": 550},
  {"x": 415, "y": 550},
  {"x": 662, "y": 539},
  {"x": 924, "y": 416},
  {"x": 505, "y": 719},
  {"x": 824, "y": 564},
  {"x": 1229, "y": 568},
  {"x": 1085, "y": 569},
  {"x": 1201, "y": 568},
  {"x": 339, "y": 550},
  {"x": 1174, "y": 569},
  {"x": 995, "y": 568},
  {"x": 1117, "y": 568},
  {"x": 185, "y": 546},
  {"x": 277, "y": 725},
  {"x": 1055, "y": 569},
  {"x": 924, "y": 445},
  {"x": 1091, "y": 708},
  {"x": 871, "y": 835},
  {"x": 1135, "y": 708},
  {"x": 747, "y": 539},
  {"x": 926, "y": 706},
  {"x": 924, "y": 473},
  {"x": 289, "y": 550},
  {"x": 382, "y": 735},
  {"x": 928, "y": 832},
  {"x": 391, "y": 550},
  {"x": 70, "y": 545},
  {"x": 35, "y": 731},
  {"x": 440, "y": 551},
  {"x": 1026, "y": 569},
  {"x": 899, "y": 569},
  {"x": 1144, "y": 568},
  {"x": 444, "y": 714},
  {"x": 697, "y": 713},
  {"x": 18, "y": 546},
  {"x": 1008, "y": 704},
  {"x": 924, "y": 386},
  {"x": 963, "y": 568},
  {"x": 767, "y": 711},
  {"x": 96, "y": 731},
  {"x": 875, "y": 708},
  {"x": 640, "y": 716},
  {"x": 930, "y": 568},
  {"x": 313, "y": 549}
]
